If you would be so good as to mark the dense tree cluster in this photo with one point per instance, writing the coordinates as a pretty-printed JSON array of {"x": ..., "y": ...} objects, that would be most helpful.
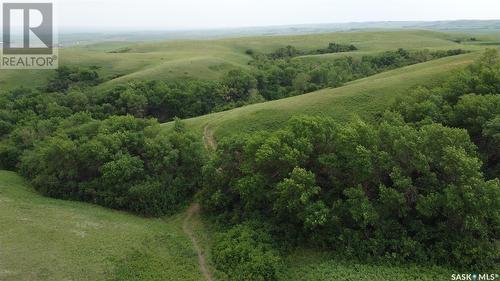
[
  {"x": 182, "y": 99},
  {"x": 280, "y": 78},
  {"x": 335, "y": 48},
  {"x": 470, "y": 100},
  {"x": 25, "y": 117},
  {"x": 410, "y": 187},
  {"x": 67, "y": 77},
  {"x": 121, "y": 162},
  {"x": 388, "y": 190},
  {"x": 290, "y": 51}
]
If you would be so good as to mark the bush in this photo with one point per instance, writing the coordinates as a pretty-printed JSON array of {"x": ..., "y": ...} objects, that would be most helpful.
[
  {"x": 67, "y": 77},
  {"x": 336, "y": 48},
  {"x": 245, "y": 253}
]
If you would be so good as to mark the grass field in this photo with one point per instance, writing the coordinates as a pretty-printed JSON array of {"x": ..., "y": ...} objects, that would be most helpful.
[
  {"x": 47, "y": 239},
  {"x": 364, "y": 98},
  {"x": 209, "y": 59}
]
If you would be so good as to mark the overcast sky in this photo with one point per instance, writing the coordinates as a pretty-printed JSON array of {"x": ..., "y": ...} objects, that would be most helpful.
[{"x": 194, "y": 14}]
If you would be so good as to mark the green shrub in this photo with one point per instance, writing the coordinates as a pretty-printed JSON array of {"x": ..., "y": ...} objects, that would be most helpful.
[
  {"x": 67, "y": 77},
  {"x": 245, "y": 253}
]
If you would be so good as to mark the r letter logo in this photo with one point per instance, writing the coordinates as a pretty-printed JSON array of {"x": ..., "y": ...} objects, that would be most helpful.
[{"x": 28, "y": 36}]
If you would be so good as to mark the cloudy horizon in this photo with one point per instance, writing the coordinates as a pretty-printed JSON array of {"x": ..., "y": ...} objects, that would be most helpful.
[{"x": 216, "y": 14}]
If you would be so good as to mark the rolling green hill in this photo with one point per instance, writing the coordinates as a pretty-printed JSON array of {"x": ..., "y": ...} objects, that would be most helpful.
[
  {"x": 363, "y": 97},
  {"x": 209, "y": 59}
]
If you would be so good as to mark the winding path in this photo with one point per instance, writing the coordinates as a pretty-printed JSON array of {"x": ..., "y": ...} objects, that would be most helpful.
[
  {"x": 194, "y": 210},
  {"x": 208, "y": 138}
]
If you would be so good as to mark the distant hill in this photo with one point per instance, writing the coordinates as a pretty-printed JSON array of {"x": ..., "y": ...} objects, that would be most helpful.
[
  {"x": 71, "y": 37},
  {"x": 124, "y": 61}
]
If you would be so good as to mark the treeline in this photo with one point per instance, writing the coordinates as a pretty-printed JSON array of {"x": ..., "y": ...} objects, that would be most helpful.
[
  {"x": 290, "y": 51},
  {"x": 69, "y": 77},
  {"x": 411, "y": 186},
  {"x": 271, "y": 80},
  {"x": 335, "y": 48},
  {"x": 280, "y": 78},
  {"x": 182, "y": 99}
]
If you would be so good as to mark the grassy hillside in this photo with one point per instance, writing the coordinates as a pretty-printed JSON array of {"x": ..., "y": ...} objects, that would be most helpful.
[
  {"x": 47, "y": 239},
  {"x": 209, "y": 59},
  {"x": 363, "y": 97}
]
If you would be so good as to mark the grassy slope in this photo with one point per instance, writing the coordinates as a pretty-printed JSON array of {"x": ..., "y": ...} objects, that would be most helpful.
[
  {"x": 363, "y": 97},
  {"x": 209, "y": 59},
  {"x": 47, "y": 239}
]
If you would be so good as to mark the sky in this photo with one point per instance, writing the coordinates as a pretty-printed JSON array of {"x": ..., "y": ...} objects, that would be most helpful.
[{"x": 200, "y": 14}]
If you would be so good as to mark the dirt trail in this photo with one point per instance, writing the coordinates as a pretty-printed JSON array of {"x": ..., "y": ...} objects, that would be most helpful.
[
  {"x": 208, "y": 138},
  {"x": 194, "y": 210}
]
